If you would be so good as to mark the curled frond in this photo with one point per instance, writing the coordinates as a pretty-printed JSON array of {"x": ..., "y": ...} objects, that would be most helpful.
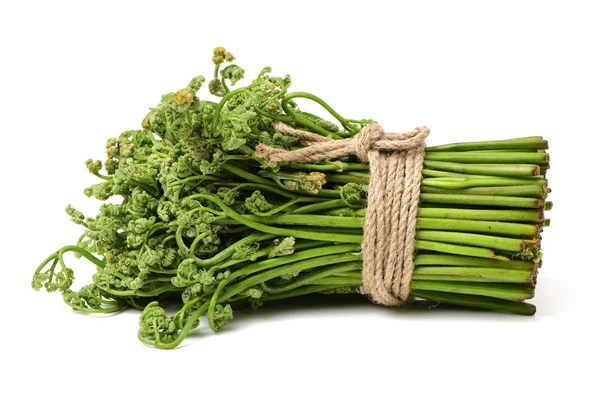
[
  {"x": 257, "y": 203},
  {"x": 282, "y": 247},
  {"x": 155, "y": 326},
  {"x": 219, "y": 317},
  {"x": 233, "y": 73},
  {"x": 246, "y": 251}
]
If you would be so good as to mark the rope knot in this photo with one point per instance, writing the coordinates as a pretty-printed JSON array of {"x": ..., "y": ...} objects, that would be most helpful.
[
  {"x": 395, "y": 163},
  {"x": 366, "y": 139},
  {"x": 319, "y": 148}
]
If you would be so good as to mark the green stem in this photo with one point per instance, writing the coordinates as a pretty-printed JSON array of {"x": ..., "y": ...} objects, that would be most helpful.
[
  {"x": 82, "y": 252},
  {"x": 526, "y": 143},
  {"x": 289, "y": 268},
  {"x": 506, "y": 291},
  {"x": 300, "y": 120},
  {"x": 482, "y": 200},
  {"x": 304, "y": 290},
  {"x": 276, "y": 262},
  {"x": 342, "y": 178},
  {"x": 306, "y": 220},
  {"x": 303, "y": 245},
  {"x": 246, "y": 175},
  {"x": 222, "y": 255},
  {"x": 485, "y": 169},
  {"x": 455, "y": 249},
  {"x": 462, "y": 261},
  {"x": 326, "y": 237},
  {"x": 140, "y": 293},
  {"x": 342, "y": 281},
  {"x": 481, "y": 215},
  {"x": 536, "y": 191},
  {"x": 326, "y": 106},
  {"x": 489, "y": 158},
  {"x": 312, "y": 277},
  {"x": 104, "y": 310},
  {"x": 500, "y": 180},
  {"x": 323, "y": 206},
  {"x": 276, "y": 210},
  {"x": 515, "y": 307},
  {"x": 471, "y": 274},
  {"x": 496, "y": 228},
  {"x": 274, "y": 189},
  {"x": 487, "y": 241}
]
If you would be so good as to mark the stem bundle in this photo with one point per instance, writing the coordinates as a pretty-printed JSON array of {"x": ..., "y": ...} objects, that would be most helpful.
[{"x": 206, "y": 223}]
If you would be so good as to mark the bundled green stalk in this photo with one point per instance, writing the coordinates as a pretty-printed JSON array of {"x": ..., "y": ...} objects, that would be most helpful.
[{"x": 200, "y": 220}]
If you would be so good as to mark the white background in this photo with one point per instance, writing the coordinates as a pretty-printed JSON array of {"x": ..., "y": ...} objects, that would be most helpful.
[{"x": 74, "y": 74}]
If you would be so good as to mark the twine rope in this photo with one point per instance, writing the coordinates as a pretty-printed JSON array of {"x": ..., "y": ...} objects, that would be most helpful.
[{"x": 396, "y": 163}]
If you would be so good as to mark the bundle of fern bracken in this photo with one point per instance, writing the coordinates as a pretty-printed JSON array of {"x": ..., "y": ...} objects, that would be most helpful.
[{"x": 197, "y": 218}]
